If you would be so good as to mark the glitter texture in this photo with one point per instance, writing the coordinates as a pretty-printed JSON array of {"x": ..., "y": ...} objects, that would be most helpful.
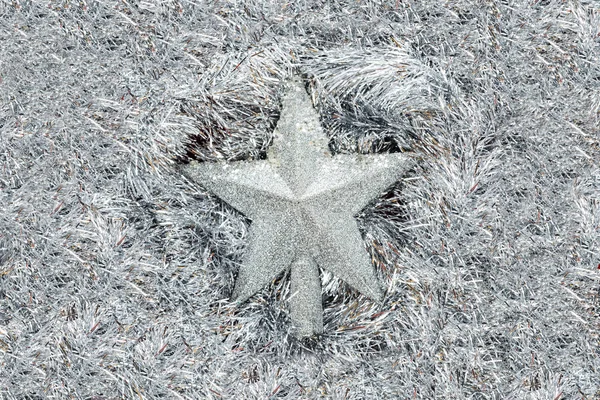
[{"x": 302, "y": 201}]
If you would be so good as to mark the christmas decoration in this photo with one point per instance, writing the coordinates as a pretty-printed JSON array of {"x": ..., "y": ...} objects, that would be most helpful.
[{"x": 302, "y": 201}]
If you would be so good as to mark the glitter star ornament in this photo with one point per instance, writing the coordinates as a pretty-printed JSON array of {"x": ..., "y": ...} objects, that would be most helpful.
[{"x": 302, "y": 201}]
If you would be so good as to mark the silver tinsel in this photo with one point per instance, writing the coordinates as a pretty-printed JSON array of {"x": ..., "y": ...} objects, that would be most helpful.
[{"x": 116, "y": 271}]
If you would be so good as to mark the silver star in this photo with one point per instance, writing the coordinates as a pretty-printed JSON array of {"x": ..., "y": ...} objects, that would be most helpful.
[{"x": 302, "y": 202}]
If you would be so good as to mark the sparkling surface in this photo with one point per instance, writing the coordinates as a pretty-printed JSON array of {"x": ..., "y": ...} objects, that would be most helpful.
[{"x": 302, "y": 202}]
